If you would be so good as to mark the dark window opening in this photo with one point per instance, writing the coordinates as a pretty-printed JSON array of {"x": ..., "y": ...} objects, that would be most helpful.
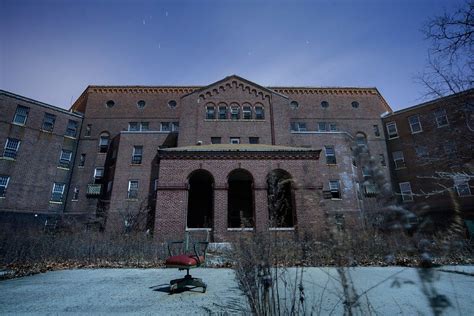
[
  {"x": 280, "y": 199},
  {"x": 253, "y": 140},
  {"x": 200, "y": 200},
  {"x": 215, "y": 140},
  {"x": 240, "y": 199}
]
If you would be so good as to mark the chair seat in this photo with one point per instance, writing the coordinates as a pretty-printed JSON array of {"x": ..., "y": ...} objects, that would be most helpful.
[{"x": 184, "y": 261}]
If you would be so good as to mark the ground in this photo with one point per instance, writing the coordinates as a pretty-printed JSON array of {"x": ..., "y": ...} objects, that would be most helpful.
[{"x": 390, "y": 290}]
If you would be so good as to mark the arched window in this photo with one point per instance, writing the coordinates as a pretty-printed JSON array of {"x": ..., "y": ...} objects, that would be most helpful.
[
  {"x": 361, "y": 139},
  {"x": 210, "y": 111},
  {"x": 104, "y": 142},
  {"x": 259, "y": 112},
  {"x": 280, "y": 199},
  {"x": 234, "y": 111},
  {"x": 222, "y": 111},
  {"x": 200, "y": 199},
  {"x": 246, "y": 111},
  {"x": 240, "y": 199}
]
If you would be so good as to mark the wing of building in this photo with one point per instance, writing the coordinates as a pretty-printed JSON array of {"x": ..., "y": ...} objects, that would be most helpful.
[{"x": 224, "y": 158}]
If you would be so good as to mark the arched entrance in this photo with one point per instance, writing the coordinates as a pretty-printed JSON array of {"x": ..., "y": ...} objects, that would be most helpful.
[
  {"x": 240, "y": 199},
  {"x": 200, "y": 199},
  {"x": 280, "y": 199}
]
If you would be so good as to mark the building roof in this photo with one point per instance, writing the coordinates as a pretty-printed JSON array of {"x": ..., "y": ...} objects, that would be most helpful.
[{"x": 239, "y": 151}]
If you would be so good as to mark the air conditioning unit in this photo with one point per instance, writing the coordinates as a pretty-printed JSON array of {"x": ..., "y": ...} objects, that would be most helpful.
[{"x": 199, "y": 142}]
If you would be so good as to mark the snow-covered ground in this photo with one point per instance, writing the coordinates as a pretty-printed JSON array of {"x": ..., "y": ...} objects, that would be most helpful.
[{"x": 373, "y": 290}]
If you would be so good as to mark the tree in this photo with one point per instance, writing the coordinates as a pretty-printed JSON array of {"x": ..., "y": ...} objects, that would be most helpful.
[{"x": 450, "y": 65}]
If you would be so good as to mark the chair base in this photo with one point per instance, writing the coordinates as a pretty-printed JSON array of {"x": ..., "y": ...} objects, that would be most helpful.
[{"x": 188, "y": 280}]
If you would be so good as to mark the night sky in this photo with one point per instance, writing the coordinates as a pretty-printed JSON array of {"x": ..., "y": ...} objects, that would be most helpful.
[{"x": 51, "y": 50}]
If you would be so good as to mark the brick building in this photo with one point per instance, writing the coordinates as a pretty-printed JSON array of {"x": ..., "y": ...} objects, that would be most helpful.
[
  {"x": 210, "y": 158},
  {"x": 39, "y": 144},
  {"x": 431, "y": 148}
]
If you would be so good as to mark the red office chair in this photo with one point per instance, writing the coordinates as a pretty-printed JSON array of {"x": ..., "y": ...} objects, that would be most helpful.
[{"x": 186, "y": 261}]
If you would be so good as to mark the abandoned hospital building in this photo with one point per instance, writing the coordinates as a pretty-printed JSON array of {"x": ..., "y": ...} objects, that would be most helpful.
[{"x": 232, "y": 156}]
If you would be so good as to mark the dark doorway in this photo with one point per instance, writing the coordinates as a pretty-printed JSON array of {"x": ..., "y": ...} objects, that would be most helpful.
[
  {"x": 240, "y": 204},
  {"x": 200, "y": 199},
  {"x": 280, "y": 199}
]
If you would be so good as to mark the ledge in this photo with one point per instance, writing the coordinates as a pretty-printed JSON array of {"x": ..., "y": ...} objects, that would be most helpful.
[
  {"x": 237, "y": 229},
  {"x": 55, "y": 202},
  {"x": 63, "y": 168},
  {"x": 7, "y": 158},
  {"x": 281, "y": 228},
  {"x": 198, "y": 229},
  {"x": 70, "y": 137}
]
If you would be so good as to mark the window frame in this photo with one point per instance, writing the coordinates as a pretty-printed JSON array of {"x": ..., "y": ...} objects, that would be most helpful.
[
  {"x": 103, "y": 148},
  {"x": 162, "y": 124},
  {"x": 259, "y": 112},
  {"x": 75, "y": 194},
  {"x": 49, "y": 120},
  {"x": 410, "y": 195},
  {"x": 246, "y": 112},
  {"x": 27, "y": 111},
  {"x": 65, "y": 162},
  {"x": 443, "y": 115},
  {"x": 130, "y": 190},
  {"x": 418, "y": 122},
  {"x": 254, "y": 140},
  {"x": 56, "y": 195},
  {"x": 335, "y": 190},
  {"x": 100, "y": 176},
  {"x": 376, "y": 130},
  {"x": 4, "y": 181},
  {"x": 235, "y": 112},
  {"x": 68, "y": 132},
  {"x": 210, "y": 112},
  {"x": 330, "y": 153},
  {"x": 222, "y": 112},
  {"x": 137, "y": 155},
  {"x": 10, "y": 152},
  {"x": 232, "y": 139},
  {"x": 391, "y": 135},
  {"x": 82, "y": 160},
  {"x": 399, "y": 156}
]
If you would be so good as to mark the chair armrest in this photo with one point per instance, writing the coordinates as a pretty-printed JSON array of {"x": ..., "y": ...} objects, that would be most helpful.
[
  {"x": 173, "y": 243},
  {"x": 196, "y": 252}
]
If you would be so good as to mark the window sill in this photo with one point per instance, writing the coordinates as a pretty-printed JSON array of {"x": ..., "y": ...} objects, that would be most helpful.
[
  {"x": 55, "y": 202},
  {"x": 74, "y": 200},
  {"x": 132, "y": 200},
  {"x": 135, "y": 164},
  {"x": 80, "y": 167},
  {"x": 2, "y": 197},
  {"x": 237, "y": 229},
  {"x": 45, "y": 131},
  {"x": 7, "y": 158},
  {"x": 465, "y": 196},
  {"x": 331, "y": 164},
  {"x": 401, "y": 168},
  {"x": 198, "y": 229},
  {"x": 230, "y": 120},
  {"x": 63, "y": 168},
  {"x": 391, "y": 138},
  {"x": 18, "y": 124},
  {"x": 70, "y": 137},
  {"x": 443, "y": 126},
  {"x": 334, "y": 199},
  {"x": 417, "y": 132},
  {"x": 281, "y": 228}
]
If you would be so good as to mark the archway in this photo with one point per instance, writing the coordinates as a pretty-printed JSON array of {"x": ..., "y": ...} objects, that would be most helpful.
[
  {"x": 200, "y": 199},
  {"x": 280, "y": 199},
  {"x": 240, "y": 199}
]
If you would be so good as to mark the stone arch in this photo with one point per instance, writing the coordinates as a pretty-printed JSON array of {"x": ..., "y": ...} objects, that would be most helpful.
[
  {"x": 281, "y": 205},
  {"x": 200, "y": 211},
  {"x": 240, "y": 199}
]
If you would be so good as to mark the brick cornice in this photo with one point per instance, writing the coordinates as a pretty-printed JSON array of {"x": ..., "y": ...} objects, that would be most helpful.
[{"x": 239, "y": 155}]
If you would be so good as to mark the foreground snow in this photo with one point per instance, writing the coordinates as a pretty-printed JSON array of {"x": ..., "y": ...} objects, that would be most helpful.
[{"x": 375, "y": 290}]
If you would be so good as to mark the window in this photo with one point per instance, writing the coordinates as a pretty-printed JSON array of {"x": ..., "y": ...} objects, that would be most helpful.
[
  {"x": 392, "y": 130},
  {"x": 259, "y": 113},
  {"x": 294, "y": 105},
  {"x": 361, "y": 140},
  {"x": 172, "y": 104},
  {"x": 165, "y": 127},
  {"x": 405, "y": 191},
  {"x": 98, "y": 173},
  {"x": 58, "y": 192},
  {"x": 330, "y": 155},
  {"x": 3, "y": 185},
  {"x": 110, "y": 103},
  {"x": 215, "y": 140},
  {"x": 421, "y": 151},
  {"x": 334, "y": 188},
  {"x": 298, "y": 127},
  {"x": 325, "y": 104},
  {"x": 441, "y": 118},
  {"x": 234, "y": 112},
  {"x": 21, "y": 115},
  {"x": 376, "y": 131},
  {"x": 11, "y": 148},
  {"x": 235, "y": 140},
  {"x": 322, "y": 126},
  {"x": 48, "y": 122},
  {"x": 355, "y": 104},
  {"x": 222, "y": 112},
  {"x": 137, "y": 155},
  {"x": 382, "y": 160},
  {"x": 75, "y": 194},
  {"x": 133, "y": 126},
  {"x": 88, "y": 130},
  {"x": 103, "y": 143},
  {"x": 210, "y": 112},
  {"x": 174, "y": 126},
  {"x": 136, "y": 126},
  {"x": 253, "y": 140},
  {"x": 247, "y": 112},
  {"x": 82, "y": 160},
  {"x": 132, "y": 192},
  {"x": 340, "y": 221},
  {"x": 398, "y": 159},
  {"x": 65, "y": 158},
  {"x": 462, "y": 186},
  {"x": 141, "y": 104},
  {"x": 415, "y": 124},
  {"x": 71, "y": 129},
  {"x": 333, "y": 127},
  {"x": 366, "y": 172}
]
